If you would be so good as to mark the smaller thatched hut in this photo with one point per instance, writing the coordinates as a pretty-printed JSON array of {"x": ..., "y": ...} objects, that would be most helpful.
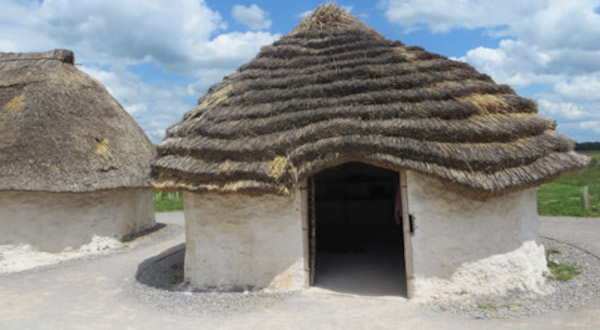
[
  {"x": 335, "y": 141},
  {"x": 73, "y": 163}
]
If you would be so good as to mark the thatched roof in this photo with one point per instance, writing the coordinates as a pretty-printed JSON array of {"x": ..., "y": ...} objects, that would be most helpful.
[
  {"x": 335, "y": 91},
  {"x": 61, "y": 131}
]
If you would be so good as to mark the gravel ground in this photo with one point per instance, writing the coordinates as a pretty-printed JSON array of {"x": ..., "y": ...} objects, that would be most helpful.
[
  {"x": 160, "y": 285},
  {"x": 566, "y": 296},
  {"x": 158, "y": 233}
]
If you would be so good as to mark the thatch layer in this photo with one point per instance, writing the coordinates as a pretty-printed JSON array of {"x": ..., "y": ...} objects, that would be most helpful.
[
  {"x": 61, "y": 131},
  {"x": 335, "y": 91}
]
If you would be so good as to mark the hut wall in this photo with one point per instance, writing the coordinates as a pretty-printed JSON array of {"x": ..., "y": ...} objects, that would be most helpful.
[
  {"x": 234, "y": 241},
  {"x": 54, "y": 221},
  {"x": 464, "y": 246}
]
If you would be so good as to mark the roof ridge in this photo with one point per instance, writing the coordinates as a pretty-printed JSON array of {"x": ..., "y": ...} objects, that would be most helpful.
[
  {"x": 63, "y": 55},
  {"x": 33, "y": 59}
]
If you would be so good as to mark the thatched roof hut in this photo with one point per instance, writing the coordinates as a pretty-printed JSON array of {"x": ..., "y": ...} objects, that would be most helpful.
[
  {"x": 63, "y": 134},
  {"x": 61, "y": 131},
  {"x": 308, "y": 142},
  {"x": 334, "y": 91}
]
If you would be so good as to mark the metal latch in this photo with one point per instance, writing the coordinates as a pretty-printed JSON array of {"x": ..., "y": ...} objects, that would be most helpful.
[{"x": 411, "y": 222}]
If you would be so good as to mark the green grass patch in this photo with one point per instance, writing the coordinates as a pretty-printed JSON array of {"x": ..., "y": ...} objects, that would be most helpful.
[
  {"x": 562, "y": 272},
  {"x": 563, "y": 196},
  {"x": 168, "y": 201},
  {"x": 558, "y": 271}
]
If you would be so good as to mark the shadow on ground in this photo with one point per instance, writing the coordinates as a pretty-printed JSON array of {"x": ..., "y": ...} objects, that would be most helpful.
[
  {"x": 163, "y": 271},
  {"x": 144, "y": 232}
]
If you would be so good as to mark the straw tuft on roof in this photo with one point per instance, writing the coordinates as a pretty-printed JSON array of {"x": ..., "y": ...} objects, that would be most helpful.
[
  {"x": 335, "y": 91},
  {"x": 61, "y": 131},
  {"x": 331, "y": 17}
]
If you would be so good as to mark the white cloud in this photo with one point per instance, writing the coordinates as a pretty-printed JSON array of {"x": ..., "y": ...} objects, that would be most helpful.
[
  {"x": 253, "y": 16},
  {"x": 233, "y": 47},
  {"x": 513, "y": 63},
  {"x": 178, "y": 38},
  {"x": 547, "y": 42},
  {"x": 444, "y": 15},
  {"x": 562, "y": 24},
  {"x": 579, "y": 120},
  {"x": 565, "y": 111},
  {"x": 153, "y": 107},
  {"x": 585, "y": 87},
  {"x": 108, "y": 36},
  {"x": 591, "y": 125},
  {"x": 546, "y": 37}
]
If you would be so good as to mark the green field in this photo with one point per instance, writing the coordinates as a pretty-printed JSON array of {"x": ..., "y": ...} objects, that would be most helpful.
[
  {"x": 563, "y": 196},
  {"x": 168, "y": 201},
  {"x": 559, "y": 198}
]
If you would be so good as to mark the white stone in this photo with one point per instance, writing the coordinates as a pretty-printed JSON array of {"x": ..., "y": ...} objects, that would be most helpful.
[
  {"x": 234, "y": 241},
  {"x": 470, "y": 247},
  {"x": 53, "y": 222}
]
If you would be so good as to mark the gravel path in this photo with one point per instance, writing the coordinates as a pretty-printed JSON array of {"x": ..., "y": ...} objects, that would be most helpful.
[
  {"x": 160, "y": 285},
  {"x": 567, "y": 295}
]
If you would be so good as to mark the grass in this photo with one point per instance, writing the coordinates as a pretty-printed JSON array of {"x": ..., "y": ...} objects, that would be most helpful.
[
  {"x": 563, "y": 196},
  {"x": 168, "y": 201},
  {"x": 558, "y": 271}
]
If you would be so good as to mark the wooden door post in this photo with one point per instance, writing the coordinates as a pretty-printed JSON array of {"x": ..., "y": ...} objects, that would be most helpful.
[
  {"x": 305, "y": 231},
  {"x": 406, "y": 232}
]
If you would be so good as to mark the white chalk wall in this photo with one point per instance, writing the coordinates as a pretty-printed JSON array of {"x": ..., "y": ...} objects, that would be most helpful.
[
  {"x": 468, "y": 247},
  {"x": 54, "y": 221},
  {"x": 234, "y": 241}
]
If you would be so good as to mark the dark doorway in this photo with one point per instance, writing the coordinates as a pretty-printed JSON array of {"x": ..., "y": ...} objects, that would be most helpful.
[{"x": 359, "y": 244}]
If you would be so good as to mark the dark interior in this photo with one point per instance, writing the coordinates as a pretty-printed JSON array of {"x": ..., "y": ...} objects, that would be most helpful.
[{"x": 359, "y": 246}]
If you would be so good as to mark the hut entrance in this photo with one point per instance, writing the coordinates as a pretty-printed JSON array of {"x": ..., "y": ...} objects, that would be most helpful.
[{"x": 356, "y": 243}]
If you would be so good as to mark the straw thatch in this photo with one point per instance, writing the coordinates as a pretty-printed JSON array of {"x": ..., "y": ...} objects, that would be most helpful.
[
  {"x": 61, "y": 131},
  {"x": 335, "y": 91}
]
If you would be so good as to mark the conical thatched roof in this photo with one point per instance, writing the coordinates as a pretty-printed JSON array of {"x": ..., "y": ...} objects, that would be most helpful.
[
  {"x": 61, "y": 131},
  {"x": 335, "y": 91}
]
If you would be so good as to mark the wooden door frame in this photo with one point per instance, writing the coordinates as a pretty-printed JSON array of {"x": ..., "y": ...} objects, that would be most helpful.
[
  {"x": 305, "y": 231},
  {"x": 307, "y": 191},
  {"x": 407, "y": 236}
]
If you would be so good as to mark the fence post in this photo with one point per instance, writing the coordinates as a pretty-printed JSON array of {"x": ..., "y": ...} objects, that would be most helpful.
[{"x": 585, "y": 198}]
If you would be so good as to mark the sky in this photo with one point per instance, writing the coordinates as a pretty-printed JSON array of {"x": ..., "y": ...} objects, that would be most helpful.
[{"x": 158, "y": 57}]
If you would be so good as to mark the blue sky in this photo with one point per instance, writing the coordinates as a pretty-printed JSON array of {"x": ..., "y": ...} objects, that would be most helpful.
[{"x": 158, "y": 57}]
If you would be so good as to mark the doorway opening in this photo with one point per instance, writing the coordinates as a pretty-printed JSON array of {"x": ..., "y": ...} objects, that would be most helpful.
[{"x": 355, "y": 235}]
